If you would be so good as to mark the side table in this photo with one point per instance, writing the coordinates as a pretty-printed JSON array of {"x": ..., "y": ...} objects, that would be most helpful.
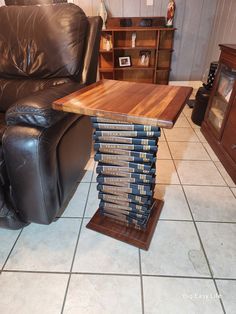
[{"x": 127, "y": 117}]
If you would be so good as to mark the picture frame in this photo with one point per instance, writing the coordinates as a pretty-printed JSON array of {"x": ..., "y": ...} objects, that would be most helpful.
[
  {"x": 144, "y": 58},
  {"x": 125, "y": 61}
]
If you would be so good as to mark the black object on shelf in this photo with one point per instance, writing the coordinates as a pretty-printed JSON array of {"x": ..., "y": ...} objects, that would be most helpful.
[
  {"x": 126, "y": 22},
  {"x": 201, "y": 101},
  {"x": 211, "y": 75}
]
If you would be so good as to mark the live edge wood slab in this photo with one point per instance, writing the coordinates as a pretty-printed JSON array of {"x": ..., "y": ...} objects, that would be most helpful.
[{"x": 138, "y": 103}]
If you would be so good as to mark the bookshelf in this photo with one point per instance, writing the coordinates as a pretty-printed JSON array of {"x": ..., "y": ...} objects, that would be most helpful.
[
  {"x": 219, "y": 125},
  {"x": 154, "y": 44}
]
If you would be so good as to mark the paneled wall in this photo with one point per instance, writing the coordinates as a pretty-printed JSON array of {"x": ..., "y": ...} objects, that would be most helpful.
[
  {"x": 224, "y": 29},
  {"x": 201, "y": 24}
]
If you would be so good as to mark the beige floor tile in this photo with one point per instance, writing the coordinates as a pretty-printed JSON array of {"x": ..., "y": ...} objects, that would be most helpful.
[
  {"x": 187, "y": 111},
  {"x": 180, "y": 295},
  {"x": 175, "y": 205},
  {"x": 91, "y": 294},
  {"x": 225, "y": 174},
  {"x": 175, "y": 250},
  {"x": 234, "y": 191},
  {"x": 76, "y": 206},
  {"x": 162, "y": 137},
  {"x": 220, "y": 246},
  {"x": 211, "y": 203},
  {"x": 97, "y": 253},
  {"x": 227, "y": 290},
  {"x": 188, "y": 151},
  {"x": 182, "y": 122},
  {"x": 200, "y": 136},
  {"x": 210, "y": 152},
  {"x": 45, "y": 248},
  {"x": 89, "y": 171},
  {"x": 198, "y": 173},
  {"x": 7, "y": 240},
  {"x": 181, "y": 135},
  {"x": 192, "y": 124},
  {"x": 166, "y": 173},
  {"x": 163, "y": 151},
  {"x": 28, "y": 293}
]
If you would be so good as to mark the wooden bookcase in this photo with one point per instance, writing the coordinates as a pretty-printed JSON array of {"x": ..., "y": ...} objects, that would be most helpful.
[
  {"x": 156, "y": 40},
  {"x": 219, "y": 125}
]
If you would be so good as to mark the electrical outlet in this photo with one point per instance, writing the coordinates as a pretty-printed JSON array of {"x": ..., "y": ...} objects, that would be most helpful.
[{"x": 149, "y": 2}]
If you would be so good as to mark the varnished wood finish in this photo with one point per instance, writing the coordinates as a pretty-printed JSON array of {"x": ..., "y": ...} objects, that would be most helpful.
[
  {"x": 224, "y": 141},
  {"x": 157, "y": 105},
  {"x": 127, "y": 234}
]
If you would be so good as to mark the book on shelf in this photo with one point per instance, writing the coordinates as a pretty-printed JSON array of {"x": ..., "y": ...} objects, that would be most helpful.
[
  {"x": 106, "y": 120},
  {"x": 124, "y": 196},
  {"x": 124, "y": 147},
  {"x": 117, "y": 172},
  {"x": 125, "y": 189},
  {"x": 124, "y": 200},
  {"x": 119, "y": 181},
  {"x": 130, "y": 207},
  {"x": 147, "y": 143},
  {"x": 127, "y": 167}
]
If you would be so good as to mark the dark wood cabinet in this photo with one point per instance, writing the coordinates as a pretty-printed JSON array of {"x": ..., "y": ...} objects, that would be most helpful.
[
  {"x": 154, "y": 43},
  {"x": 219, "y": 125}
]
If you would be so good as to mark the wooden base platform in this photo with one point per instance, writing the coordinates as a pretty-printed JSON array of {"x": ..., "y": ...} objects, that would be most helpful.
[{"x": 127, "y": 234}]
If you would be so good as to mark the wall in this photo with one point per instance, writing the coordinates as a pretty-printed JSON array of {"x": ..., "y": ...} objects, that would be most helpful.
[{"x": 224, "y": 29}]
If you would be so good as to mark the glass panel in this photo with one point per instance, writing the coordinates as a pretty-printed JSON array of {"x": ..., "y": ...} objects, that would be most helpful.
[{"x": 222, "y": 96}]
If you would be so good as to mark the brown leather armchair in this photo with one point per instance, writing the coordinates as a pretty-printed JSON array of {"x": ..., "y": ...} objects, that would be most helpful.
[{"x": 46, "y": 52}]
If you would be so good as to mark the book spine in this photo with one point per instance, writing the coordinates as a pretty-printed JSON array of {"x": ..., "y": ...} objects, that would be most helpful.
[
  {"x": 105, "y": 120},
  {"x": 113, "y": 180},
  {"x": 125, "y": 127},
  {"x": 125, "y": 147},
  {"x": 125, "y": 198},
  {"x": 130, "y": 207},
  {"x": 107, "y": 158},
  {"x": 126, "y": 140},
  {"x": 124, "y": 189},
  {"x": 131, "y": 134}
]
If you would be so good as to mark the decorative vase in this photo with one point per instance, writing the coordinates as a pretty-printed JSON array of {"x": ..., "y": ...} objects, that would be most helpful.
[
  {"x": 170, "y": 13},
  {"x": 103, "y": 13}
]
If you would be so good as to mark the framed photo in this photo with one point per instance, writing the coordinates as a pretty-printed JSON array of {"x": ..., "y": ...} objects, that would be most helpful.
[
  {"x": 144, "y": 58},
  {"x": 125, "y": 61}
]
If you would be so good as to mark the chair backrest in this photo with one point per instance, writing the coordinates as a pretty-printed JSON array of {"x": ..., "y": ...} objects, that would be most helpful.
[
  {"x": 31, "y": 2},
  {"x": 45, "y": 41}
]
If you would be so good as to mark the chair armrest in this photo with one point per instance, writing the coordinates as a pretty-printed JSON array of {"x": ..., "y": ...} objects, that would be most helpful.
[{"x": 36, "y": 109}]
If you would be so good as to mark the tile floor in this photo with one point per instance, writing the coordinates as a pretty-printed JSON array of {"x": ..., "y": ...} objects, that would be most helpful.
[{"x": 189, "y": 268}]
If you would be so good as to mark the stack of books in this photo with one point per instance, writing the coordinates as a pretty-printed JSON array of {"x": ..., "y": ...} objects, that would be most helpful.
[{"x": 126, "y": 155}]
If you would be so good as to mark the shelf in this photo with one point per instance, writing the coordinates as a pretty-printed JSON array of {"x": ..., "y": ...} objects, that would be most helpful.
[
  {"x": 105, "y": 51},
  {"x": 163, "y": 69},
  {"x": 138, "y": 28},
  {"x": 106, "y": 69},
  {"x": 134, "y": 68},
  {"x": 135, "y": 48}
]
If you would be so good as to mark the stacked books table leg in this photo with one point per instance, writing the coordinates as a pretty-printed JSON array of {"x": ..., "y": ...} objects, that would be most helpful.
[{"x": 126, "y": 156}]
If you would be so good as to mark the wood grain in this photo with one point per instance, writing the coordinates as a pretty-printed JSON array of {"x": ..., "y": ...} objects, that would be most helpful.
[{"x": 157, "y": 105}]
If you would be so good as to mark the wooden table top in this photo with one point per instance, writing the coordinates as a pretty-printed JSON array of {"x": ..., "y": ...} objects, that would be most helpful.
[{"x": 150, "y": 104}]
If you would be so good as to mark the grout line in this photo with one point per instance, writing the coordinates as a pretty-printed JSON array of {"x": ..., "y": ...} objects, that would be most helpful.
[
  {"x": 115, "y": 274},
  {"x": 11, "y": 250},
  {"x": 141, "y": 281},
  {"x": 76, "y": 245}
]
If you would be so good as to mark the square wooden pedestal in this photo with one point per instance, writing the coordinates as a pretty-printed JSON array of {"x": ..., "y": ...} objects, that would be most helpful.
[{"x": 123, "y": 232}]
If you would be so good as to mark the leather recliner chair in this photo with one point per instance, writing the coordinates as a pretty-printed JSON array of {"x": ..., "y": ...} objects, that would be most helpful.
[{"x": 46, "y": 52}]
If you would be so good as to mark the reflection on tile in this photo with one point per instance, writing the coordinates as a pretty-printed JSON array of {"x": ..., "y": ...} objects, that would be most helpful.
[
  {"x": 89, "y": 171},
  {"x": 192, "y": 124},
  {"x": 211, "y": 203},
  {"x": 200, "y": 135},
  {"x": 75, "y": 208},
  {"x": 234, "y": 191},
  {"x": 27, "y": 293},
  {"x": 93, "y": 201},
  {"x": 163, "y": 151},
  {"x": 188, "y": 151},
  {"x": 7, "y": 240},
  {"x": 187, "y": 111},
  {"x": 210, "y": 152},
  {"x": 227, "y": 290},
  {"x": 181, "y": 135},
  {"x": 175, "y": 205},
  {"x": 162, "y": 137},
  {"x": 182, "y": 122},
  {"x": 220, "y": 246},
  {"x": 91, "y": 294},
  {"x": 225, "y": 174},
  {"x": 97, "y": 253},
  {"x": 180, "y": 295},
  {"x": 45, "y": 248},
  {"x": 175, "y": 250},
  {"x": 166, "y": 173},
  {"x": 198, "y": 173}
]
